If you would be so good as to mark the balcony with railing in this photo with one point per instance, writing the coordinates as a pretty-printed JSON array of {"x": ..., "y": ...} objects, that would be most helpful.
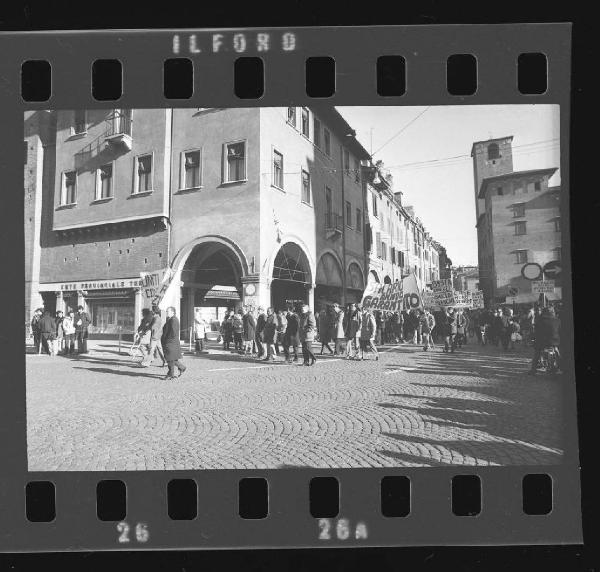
[
  {"x": 334, "y": 224},
  {"x": 118, "y": 128}
]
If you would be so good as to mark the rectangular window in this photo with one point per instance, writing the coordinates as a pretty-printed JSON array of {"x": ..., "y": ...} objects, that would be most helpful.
[
  {"x": 537, "y": 186},
  {"x": 79, "y": 122},
  {"x": 348, "y": 214},
  {"x": 357, "y": 170},
  {"x": 557, "y": 224},
  {"x": 144, "y": 174},
  {"x": 25, "y": 151},
  {"x": 530, "y": 187},
  {"x": 69, "y": 188},
  {"x": 500, "y": 191},
  {"x": 347, "y": 161},
  {"x": 192, "y": 175},
  {"x": 327, "y": 141},
  {"x": 557, "y": 253},
  {"x": 277, "y": 169},
  {"x": 378, "y": 242},
  {"x": 358, "y": 220},
  {"x": 521, "y": 256},
  {"x": 393, "y": 255},
  {"x": 235, "y": 167},
  {"x": 519, "y": 210},
  {"x": 383, "y": 251},
  {"x": 521, "y": 227},
  {"x": 305, "y": 124},
  {"x": 317, "y": 132},
  {"x": 305, "y": 187},
  {"x": 104, "y": 182},
  {"x": 328, "y": 202},
  {"x": 291, "y": 115},
  {"x": 375, "y": 205}
]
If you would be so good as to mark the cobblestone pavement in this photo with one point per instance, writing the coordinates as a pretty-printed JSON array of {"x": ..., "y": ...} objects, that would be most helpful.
[{"x": 101, "y": 411}]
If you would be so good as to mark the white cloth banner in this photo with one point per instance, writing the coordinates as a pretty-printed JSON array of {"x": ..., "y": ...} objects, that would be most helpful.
[
  {"x": 394, "y": 297},
  {"x": 154, "y": 286}
]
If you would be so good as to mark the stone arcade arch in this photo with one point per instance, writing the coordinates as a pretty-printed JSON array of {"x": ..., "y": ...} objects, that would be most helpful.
[{"x": 291, "y": 276}]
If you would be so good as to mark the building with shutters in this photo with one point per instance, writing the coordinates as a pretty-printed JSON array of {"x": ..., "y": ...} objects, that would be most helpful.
[
  {"x": 245, "y": 206},
  {"x": 398, "y": 243},
  {"x": 518, "y": 222}
]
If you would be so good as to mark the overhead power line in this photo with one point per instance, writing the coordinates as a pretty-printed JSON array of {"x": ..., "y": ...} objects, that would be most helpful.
[{"x": 402, "y": 129}]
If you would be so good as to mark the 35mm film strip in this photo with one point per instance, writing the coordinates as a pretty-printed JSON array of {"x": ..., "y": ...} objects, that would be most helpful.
[{"x": 303, "y": 287}]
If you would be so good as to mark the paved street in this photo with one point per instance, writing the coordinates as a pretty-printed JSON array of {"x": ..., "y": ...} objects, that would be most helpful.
[{"x": 102, "y": 411}]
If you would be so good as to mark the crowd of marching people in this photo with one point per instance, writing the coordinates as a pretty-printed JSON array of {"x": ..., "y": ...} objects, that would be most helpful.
[{"x": 349, "y": 332}]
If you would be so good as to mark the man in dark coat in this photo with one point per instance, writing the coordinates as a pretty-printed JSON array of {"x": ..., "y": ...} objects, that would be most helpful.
[
  {"x": 47, "y": 327},
  {"x": 547, "y": 334},
  {"x": 82, "y": 322},
  {"x": 171, "y": 344},
  {"x": 292, "y": 335},
  {"x": 35, "y": 330},
  {"x": 249, "y": 333},
  {"x": 260, "y": 326}
]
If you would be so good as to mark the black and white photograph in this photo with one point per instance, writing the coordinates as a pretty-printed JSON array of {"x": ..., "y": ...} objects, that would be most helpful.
[{"x": 293, "y": 287}]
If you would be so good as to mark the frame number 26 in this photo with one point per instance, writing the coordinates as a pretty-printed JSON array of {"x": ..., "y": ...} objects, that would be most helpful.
[
  {"x": 341, "y": 529},
  {"x": 142, "y": 534}
]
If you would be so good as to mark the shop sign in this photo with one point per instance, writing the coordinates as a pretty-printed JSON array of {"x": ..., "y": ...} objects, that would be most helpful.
[{"x": 91, "y": 285}]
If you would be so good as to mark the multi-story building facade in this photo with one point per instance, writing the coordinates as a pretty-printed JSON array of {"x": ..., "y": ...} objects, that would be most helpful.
[
  {"x": 518, "y": 222},
  {"x": 397, "y": 242},
  {"x": 466, "y": 278},
  {"x": 254, "y": 206}
]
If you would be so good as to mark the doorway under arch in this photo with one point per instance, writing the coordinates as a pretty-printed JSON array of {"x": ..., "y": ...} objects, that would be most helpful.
[
  {"x": 387, "y": 280},
  {"x": 291, "y": 281}
]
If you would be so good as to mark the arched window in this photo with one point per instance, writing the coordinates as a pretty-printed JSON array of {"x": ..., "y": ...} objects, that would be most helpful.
[{"x": 493, "y": 151}]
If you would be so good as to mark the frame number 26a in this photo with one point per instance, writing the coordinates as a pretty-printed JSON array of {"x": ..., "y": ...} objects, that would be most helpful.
[{"x": 341, "y": 529}]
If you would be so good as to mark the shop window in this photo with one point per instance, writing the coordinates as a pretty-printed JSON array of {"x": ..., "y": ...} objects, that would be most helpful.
[
  {"x": 69, "y": 188},
  {"x": 235, "y": 167},
  {"x": 277, "y": 169}
]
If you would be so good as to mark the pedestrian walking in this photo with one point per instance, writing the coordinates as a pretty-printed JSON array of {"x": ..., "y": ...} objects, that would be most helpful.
[
  {"x": 292, "y": 335},
  {"x": 261, "y": 320},
  {"x": 269, "y": 334},
  {"x": 308, "y": 328},
  {"x": 227, "y": 330},
  {"x": 448, "y": 330},
  {"x": 155, "y": 347},
  {"x": 352, "y": 323},
  {"x": 249, "y": 333},
  {"x": 237, "y": 327},
  {"x": 368, "y": 330},
  {"x": 200, "y": 329},
  {"x": 461, "y": 328},
  {"x": 144, "y": 336},
  {"x": 47, "y": 327},
  {"x": 57, "y": 346},
  {"x": 35, "y": 330},
  {"x": 281, "y": 328},
  {"x": 338, "y": 329},
  {"x": 172, "y": 344},
  {"x": 82, "y": 322},
  {"x": 398, "y": 327},
  {"x": 68, "y": 326},
  {"x": 427, "y": 325},
  {"x": 505, "y": 331},
  {"x": 324, "y": 322}
]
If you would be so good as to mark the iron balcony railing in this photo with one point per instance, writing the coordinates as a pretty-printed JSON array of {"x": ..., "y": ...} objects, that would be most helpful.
[{"x": 118, "y": 123}]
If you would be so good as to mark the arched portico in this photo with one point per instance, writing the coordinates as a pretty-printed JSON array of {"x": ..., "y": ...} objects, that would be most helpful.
[{"x": 290, "y": 276}]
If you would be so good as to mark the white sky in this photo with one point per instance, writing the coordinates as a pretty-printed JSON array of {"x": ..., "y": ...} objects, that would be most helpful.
[{"x": 443, "y": 192}]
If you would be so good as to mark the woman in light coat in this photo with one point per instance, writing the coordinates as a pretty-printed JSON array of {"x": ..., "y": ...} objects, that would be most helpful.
[
  {"x": 338, "y": 329},
  {"x": 308, "y": 329},
  {"x": 368, "y": 330}
]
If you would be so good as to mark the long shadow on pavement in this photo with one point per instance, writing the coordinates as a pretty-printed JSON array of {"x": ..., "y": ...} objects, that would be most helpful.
[{"x": 145, "y": 372}]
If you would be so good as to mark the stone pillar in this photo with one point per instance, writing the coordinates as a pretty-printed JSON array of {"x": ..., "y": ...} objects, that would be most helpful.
[
  {"x": 191, "y": 297},
  {"x": 311, "y": 298}
]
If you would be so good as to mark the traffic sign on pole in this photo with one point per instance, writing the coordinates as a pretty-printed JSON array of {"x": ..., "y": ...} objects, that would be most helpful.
[
  {"x": 531, "y": 271},
  {"x": 552, "y": 270},
  {"x": 513, "y": 291},
  {"x": 542, "y": 286}
]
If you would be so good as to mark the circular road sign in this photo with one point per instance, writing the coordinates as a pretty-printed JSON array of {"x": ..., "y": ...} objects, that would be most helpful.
[
  {"x": 531, "y": 271},
  {"x": 552, "y": 270}
]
